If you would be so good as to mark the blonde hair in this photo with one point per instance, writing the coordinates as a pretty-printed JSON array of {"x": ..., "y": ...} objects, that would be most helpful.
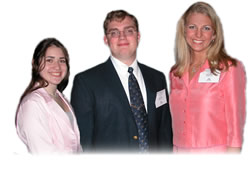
[{"x": 216, "y": 54}]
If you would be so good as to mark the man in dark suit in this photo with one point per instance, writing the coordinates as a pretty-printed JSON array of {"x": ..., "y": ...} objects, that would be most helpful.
[{"x": 103, "y": 97}]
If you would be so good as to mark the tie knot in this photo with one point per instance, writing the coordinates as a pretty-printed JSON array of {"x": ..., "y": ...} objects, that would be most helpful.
[{"x": 130, "y": 70}]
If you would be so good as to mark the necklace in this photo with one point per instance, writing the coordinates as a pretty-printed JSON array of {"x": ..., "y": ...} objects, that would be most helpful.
[
  {"x": 53, "y": 95},
  {"x": 195, "y": 68}
]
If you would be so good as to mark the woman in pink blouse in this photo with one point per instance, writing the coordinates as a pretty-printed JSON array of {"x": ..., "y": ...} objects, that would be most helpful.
[
  {"x": 45, "y": 121},
  {"x": 207, "y": 97}
]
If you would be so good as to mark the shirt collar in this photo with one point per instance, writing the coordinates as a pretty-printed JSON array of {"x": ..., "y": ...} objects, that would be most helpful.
[{"x": 123, "y": 68}]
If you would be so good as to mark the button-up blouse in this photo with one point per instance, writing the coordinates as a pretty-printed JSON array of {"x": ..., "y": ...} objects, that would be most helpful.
[{"x": 207, "y": 115}]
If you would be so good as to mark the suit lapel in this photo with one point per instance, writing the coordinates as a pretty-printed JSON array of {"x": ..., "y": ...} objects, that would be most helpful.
[
  {"x": 150, "y": 92},
  {"x": 115, "y": 84}
]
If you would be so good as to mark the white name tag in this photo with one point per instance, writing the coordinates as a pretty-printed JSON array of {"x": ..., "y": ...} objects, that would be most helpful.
[
  {"x": 161, "y": 98},
  {"x": 208, "y": 77}
]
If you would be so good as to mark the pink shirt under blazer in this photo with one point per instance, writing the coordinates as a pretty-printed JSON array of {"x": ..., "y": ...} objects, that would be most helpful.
[
  {"x": 208, "y": 117},
  {"x": 44, "y": 127}
]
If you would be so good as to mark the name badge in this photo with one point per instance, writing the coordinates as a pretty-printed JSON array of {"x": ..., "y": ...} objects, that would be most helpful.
[
  {"x": 208, "y": 77},
  {"x": 161, "y": 98}
]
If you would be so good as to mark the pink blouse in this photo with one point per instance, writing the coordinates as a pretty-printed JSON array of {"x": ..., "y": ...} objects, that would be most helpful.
[
  {"x": 44, "y": 127},
  {"x": 208, "y": 116}
]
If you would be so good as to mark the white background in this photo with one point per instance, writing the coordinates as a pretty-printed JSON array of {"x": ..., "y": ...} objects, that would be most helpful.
[{"x": 79, "y": 26}]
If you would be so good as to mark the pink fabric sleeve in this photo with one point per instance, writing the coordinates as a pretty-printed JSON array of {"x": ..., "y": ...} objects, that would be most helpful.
[
  {"x": 235, "y": 104},
  {"x": 33, "y": 128}
]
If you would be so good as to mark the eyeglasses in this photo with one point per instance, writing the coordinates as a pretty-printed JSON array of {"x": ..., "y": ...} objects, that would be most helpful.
[{"x": 115, "y": 33}]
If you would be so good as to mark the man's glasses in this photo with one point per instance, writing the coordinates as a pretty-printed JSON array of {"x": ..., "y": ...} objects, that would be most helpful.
[{"x": 115, "y": 33}]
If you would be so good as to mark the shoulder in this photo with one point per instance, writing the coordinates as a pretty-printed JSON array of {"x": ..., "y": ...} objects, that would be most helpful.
[
  {"x": 94, "y": 71},
  {"x": 234, "y": 72},
  {"x": 33, "y": 106},
  {"x": 39, "y": 96},
  {"x": 149, "y": 70},
  {"x": 239, "y": 67},
  {"x": 33, "y": 96},
  {"x": 172, "y": 75}
]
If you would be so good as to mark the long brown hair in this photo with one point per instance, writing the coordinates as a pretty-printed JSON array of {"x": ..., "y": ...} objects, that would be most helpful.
[
  {"x": 217, "y": 57},
  {"x": 38, "y": 64},
  {"x": 37, "y": 67}
]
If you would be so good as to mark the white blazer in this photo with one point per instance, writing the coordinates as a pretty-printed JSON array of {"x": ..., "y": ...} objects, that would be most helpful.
[{"x": 44, "y": 127}]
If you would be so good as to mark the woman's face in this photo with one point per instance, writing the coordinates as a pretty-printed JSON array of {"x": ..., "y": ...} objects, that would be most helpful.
[
  {"x": 55, "y": 67},
  {"x": 199, "y": 32}
]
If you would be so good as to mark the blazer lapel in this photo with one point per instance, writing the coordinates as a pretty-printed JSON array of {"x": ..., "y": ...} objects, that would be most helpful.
[
  {"x": 116, "y": 86},
  {"x": 114, "y": 82},
  {"x": 151, "y": 95}
]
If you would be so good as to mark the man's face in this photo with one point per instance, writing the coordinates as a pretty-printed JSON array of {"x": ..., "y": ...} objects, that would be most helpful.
[{"x": 122, "y": 39}]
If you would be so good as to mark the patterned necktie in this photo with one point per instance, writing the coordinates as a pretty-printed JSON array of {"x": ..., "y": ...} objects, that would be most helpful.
[{"x": 139, "y": 111}]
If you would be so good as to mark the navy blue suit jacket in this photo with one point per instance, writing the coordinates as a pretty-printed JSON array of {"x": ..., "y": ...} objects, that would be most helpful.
[{"x": 103, "y": 112}]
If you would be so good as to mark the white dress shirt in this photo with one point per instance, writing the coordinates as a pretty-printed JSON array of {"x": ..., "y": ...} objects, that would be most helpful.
[{"x": 122, "y": 71}]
